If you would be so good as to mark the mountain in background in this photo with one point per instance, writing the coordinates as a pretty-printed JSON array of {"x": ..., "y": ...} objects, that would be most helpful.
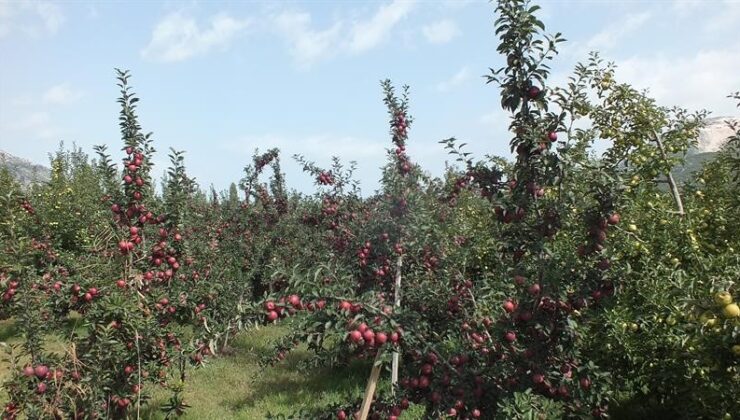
[
  {"x": 24, "y": 171},
  {"x": 711, "y": 138}
]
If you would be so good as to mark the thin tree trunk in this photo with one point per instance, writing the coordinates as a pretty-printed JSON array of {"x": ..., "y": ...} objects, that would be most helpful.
[{"x": 671, "y": 181}]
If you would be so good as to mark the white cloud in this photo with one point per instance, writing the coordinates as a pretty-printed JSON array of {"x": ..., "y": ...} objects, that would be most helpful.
[
  {"x": 684, "y": 8},
  {"x": 32, "y": 18},
  {"x": 702, "y": 80},
  {"x": 612, "y": 34},
  {"x": 178, "y": 37},
  {"x": 725, "y": 19},
  {"x": 368, "y": 34},
  {"x": 496, "y": 118},
  {"x": 34, "y": 126},
  {"x": 462, "y": 76},
  {"x": 61, "y": 94},
  {"x": 50, "y": 14},
  {"x": 440, "y": 32},
  {"x": 307, "y": 45}
]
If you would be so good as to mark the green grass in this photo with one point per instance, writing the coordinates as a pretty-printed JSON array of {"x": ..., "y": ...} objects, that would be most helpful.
[
  {"x": 10, "y": 336},
  {"x": 235, "y": 387}
]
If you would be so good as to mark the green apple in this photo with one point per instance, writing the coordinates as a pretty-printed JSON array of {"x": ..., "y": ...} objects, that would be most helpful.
[
  {"x": 731, "y": 311},
  {"x": 722, "y": 298}
]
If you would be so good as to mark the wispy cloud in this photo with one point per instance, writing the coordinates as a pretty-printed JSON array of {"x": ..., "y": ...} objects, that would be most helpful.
[
  {"x": 462, "y": 76},
  {"x": 61, "y": 94},
  {"x": 495, "y": 118},
  {"x": 614, "y": 33},
  {"x": 306, "y": 44},
  {"x": 726, "y": 18},
  {"x": 309, "y": 45},
  {"x": 702, "y": 80},
  {"x": 178, "y": 37},
  {"x": 684, "y": 8},
  {"x": 31, "y": 18},
  {"x": 368, "y": 34},
  {"x": 440, "y": 32},
  {"x": 34, "y": 126}
]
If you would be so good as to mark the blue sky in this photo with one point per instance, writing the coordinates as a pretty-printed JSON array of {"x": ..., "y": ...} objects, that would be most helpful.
[{"x": 218, "y": 79}]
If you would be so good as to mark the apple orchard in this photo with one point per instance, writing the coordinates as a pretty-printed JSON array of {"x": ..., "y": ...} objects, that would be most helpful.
[{"x": 559, "y": 283}]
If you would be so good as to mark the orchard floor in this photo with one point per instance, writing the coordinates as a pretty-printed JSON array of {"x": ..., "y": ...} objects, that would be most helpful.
[{"x": 235, "y": 387}]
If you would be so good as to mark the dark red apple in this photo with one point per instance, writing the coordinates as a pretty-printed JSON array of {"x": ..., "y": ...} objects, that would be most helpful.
[
  {"x": 534, "y": 289},
  {"x": 533, "y": 92},
  {"x": 614, "y": 218},
  {"x": 509, "y": 306},
  {"x": 41, "y": 371}
]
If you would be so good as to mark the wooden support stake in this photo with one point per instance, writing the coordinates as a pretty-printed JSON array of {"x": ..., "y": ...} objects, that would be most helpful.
[
  {"x": 367, "y": 401},
  {"x": 397, "y": 304}
]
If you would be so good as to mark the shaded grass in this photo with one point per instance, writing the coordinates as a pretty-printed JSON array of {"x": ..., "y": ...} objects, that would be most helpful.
[
  {"x": 236, "y": 387},
  {"x": 10, "y": 336}
]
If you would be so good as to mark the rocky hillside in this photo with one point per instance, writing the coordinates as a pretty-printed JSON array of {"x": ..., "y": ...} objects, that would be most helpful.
[
  {"x": 24, "y": 171},
  {"x": 711, "y": 139},
  {"x": 715, "y": 134}
]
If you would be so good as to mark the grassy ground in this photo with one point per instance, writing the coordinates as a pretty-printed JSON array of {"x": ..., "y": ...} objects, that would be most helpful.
[
  {"x": 9, "y": 335},
  {"x": 234, "y": 386}
]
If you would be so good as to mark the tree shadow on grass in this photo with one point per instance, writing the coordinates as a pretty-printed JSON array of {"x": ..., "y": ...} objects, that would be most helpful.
[
  {"x": 286, "y": 385},
  {"x": 8, "y": 330}
]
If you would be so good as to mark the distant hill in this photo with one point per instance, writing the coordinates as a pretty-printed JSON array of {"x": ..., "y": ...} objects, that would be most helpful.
[
  {"x": 692, "y": 164},
  {"x": 24, "y": 171},
  {"x": 714, "y": 135},
  {"x": 711, "y": 138}
]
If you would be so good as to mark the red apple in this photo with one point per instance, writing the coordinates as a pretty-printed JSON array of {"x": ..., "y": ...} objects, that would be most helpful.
[
  {"x": 534, "y": 289},
  {"x": 510, "y": 336},
  {"x": 28, "y": 371},
  {"x": 614, "y": 218},
  {"x": 41, "y": 371},
  {"x": 533, "y": 92},
  {"x": 519, "y": 280},
  {"x": 509, "y": 306},
  {"x": 355, "y": 336}
]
